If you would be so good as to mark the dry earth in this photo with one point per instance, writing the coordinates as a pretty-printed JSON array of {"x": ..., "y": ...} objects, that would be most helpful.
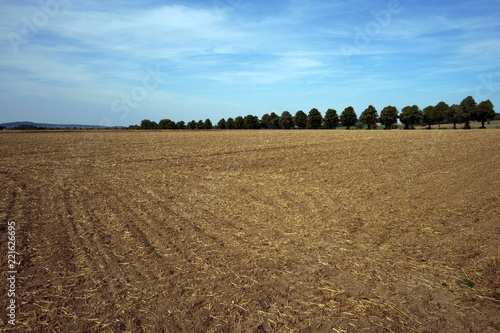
[{"x": 253, "y": 231}]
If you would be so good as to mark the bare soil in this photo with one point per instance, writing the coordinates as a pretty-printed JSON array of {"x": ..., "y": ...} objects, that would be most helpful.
[{"x": 253, "y": 231}]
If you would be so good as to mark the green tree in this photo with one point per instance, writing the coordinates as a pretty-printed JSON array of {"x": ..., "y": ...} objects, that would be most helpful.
[
  {"x": 348, "y": 117},
  {"x": 389, "y": 116},
  {"x": 439, "y": 112},
  {"x": 200, "y": 124},
  {"x": 251, "y": 121},
  {"x": 166, "y": 124},
  {"x": 485, "y": 112},
  {"x": 265, "y": 121},
  {"x": 191, "y": 124},
  {"x": 148, "y": 124},
  {"x": 286, "y": 120},
  {"x": 239, "y": 123},
  {"x": 230, "y": 123},
  {"x": 300, "y": 119},
  {"x": 221, "y": 124},
  {"x": 208, "y": 124},
  {"x": 454, "y": 115},
  {"x": 163, "y": 123},
  {"x": 468, "y": 107},
  {"x": 331, "y": 119},
  {"x": 180, "y": 125},
  {"x": 274, "y": 121},
  {"x": 314, "y": 119},
  {"x": 428, "y": 116},
  {"x": 410, "y": 116},
  {"x": 369, "y": 117},
  {"x": 145, "y": 123}
]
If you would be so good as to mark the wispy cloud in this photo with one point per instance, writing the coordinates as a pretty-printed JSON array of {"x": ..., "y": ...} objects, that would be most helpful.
[{"x": 239, "y": 56}]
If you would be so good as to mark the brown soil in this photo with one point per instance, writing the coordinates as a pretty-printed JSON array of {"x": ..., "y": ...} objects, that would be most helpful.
[{"x": 253, "y": 231}]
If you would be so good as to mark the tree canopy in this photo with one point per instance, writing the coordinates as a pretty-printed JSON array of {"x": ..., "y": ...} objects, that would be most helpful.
[
  {"x": 251, "y": 122},
  {"x": 369, "y": 117},
  {"x": 410, "y": 116},
  {"x": 439, "y": 112},
  {"x": 388, "y": 116},
  {"x": 300, "y": 119},
  {"x": 148, "y": 124},
  {"x": 454, "y": 115},
  {"x": 348, "y": 118},
  {"x": 331, "y": 120},
  {"x": 465, "y": 112},
  {"x": 428, "y": 116},
  {"x": 485, "y": 112},
  {"x": 221, "y": 124},
  {"x": 286, "y": 120},
  {"x": 239, "y": 123},
  {"x": 468, "y": 108},
  {"x": 314, "y": 119},
  {"x": 166, "y": 124}
]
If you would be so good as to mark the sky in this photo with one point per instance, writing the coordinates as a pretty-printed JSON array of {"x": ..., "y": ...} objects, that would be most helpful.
[{"x": 115, "y": 63}]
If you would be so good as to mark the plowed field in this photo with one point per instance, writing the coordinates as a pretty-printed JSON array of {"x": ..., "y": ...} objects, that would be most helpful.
[{"x": 253, "y": 231}]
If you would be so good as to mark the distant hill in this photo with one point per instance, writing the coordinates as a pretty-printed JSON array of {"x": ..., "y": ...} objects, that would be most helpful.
[{"x": 31, "y": 125}]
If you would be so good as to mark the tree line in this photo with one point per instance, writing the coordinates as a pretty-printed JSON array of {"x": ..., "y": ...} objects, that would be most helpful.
[{"x": 410, "y": 116}]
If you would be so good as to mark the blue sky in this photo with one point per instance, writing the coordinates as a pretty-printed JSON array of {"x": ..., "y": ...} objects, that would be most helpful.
[{"x": 117, "y": 62}]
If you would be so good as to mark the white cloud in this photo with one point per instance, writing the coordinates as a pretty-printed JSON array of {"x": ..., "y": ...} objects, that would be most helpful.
[{"x": 91, "y": 52}]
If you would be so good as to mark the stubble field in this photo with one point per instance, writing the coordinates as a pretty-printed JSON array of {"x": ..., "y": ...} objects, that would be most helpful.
[{"x": 253, "y": 231}]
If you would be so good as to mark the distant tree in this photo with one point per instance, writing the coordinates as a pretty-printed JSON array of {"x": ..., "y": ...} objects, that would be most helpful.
[
  {"x": 221, "y": 124},
  {"x": 314, "y": 119},
  {"x": 428, "y": 116},
  {"x": 166, "y": 124},
  {"x": 485, "y": 112},
  {"x": 200, "y": 124},
  {"x": 331, "y": 119},
  {"x": 300, "y": 119},
  {"x": 439, "y": 112},
  {"x": 468, "y": 107},
  {"x": 251, "y": 122},
  {"x": 191, "y": 124},
  {"x": 265, "y": 121},
  {"x": 274, "y": 121},
  {"x": 148, "y": 124},
  {"x": 145, "y": 123},
  {"x": 239, "y": 122},
  {"x": 208, "y": 124},
  {"x": 163, "y": 123},
  {"x": 369, "y": 117},
  {"x": 26, "y": 127},
  {"x": 286, "y": 120},
  {"x": 348, "y": 118},
  {"x": 388, "y": 116},
  {"x": 453, "y": 115},
  {"x": 410, "y": 116},
  {"x": 180, "y": 125},
  {"x": 230, "y": 123}
]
